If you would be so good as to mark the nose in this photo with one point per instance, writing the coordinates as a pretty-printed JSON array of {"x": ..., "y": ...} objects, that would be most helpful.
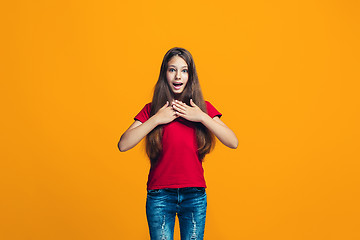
[{"x": 177, "y": 76}]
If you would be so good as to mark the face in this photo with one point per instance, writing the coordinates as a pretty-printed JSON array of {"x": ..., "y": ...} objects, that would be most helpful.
[{"x": 177, "y": 74}]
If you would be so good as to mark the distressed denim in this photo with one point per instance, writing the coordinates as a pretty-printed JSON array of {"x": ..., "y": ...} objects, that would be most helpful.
[{"x": 189, "y": 204}]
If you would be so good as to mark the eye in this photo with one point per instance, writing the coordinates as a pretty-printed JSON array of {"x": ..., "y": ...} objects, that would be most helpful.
[
  {"x": 171, "y": 69},
  {"x": 185, "y": 70}
]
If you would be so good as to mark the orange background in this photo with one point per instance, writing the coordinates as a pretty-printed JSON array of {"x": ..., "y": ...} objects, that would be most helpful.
[{"x": 285, "y": 75}]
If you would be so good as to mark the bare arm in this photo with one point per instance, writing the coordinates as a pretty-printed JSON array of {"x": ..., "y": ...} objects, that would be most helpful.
[
  {"x": 133, "y": 135},
  {"x": 137, "y": 131},
  {"x": 221, "y": 131}
]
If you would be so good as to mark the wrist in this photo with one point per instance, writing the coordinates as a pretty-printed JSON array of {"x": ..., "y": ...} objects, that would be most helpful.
[
  {"x": 204, "y": 118},
  {"x": 155, "y": 120}
]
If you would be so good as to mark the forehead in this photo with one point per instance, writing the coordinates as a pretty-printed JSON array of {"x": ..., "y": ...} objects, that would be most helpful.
[{"x": 177, "y": 61}]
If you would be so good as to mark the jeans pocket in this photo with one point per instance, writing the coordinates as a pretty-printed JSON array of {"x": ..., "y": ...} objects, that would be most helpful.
[
  {"x": 199, "y": 189},
  {"x": 153, "y": 192}
]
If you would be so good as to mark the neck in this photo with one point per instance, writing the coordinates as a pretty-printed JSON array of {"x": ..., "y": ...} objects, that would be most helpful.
[{"x": 176, "y": 96}]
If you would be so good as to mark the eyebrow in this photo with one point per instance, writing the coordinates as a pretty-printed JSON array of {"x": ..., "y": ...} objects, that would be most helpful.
[{"x": 175, "y": 66}]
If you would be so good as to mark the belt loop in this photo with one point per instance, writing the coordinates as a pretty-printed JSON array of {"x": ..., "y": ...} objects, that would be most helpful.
[{"x": 178, "y": 192}]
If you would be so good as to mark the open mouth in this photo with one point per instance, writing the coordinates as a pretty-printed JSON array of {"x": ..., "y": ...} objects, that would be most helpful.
[{"x": 177, "y": 85}]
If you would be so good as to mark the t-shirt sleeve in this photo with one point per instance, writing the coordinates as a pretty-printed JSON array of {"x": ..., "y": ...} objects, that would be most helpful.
[
  {"x": 144, "y": 114},
  {"x": 212, "y": 111}
]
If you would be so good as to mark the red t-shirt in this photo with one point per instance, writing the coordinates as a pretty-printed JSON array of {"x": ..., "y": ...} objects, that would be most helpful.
[{"x": 178, "y": 165}]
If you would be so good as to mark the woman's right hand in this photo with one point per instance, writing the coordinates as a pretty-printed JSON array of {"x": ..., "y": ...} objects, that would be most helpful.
[
  {"x": 138, "y": 130},
  {"x": 165, "y": 114}
]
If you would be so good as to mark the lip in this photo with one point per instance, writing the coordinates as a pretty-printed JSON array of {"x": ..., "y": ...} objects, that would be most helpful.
[{"x": 177, "y": 87}]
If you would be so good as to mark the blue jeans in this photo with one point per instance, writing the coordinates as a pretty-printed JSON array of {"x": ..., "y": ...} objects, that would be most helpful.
[{"x": 189, "y": 204}]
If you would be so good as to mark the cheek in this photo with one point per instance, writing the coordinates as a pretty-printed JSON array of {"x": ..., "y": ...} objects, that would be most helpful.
[
  {"x": 169, "y": 76},
  {"x": 186, "y": 78}
]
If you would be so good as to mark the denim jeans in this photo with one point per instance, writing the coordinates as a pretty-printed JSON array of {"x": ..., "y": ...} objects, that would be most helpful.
[{"x": 189, "y": 204}]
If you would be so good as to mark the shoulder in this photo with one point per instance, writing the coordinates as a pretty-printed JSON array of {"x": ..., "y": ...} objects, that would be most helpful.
[
  {"x": 144, "y": 113},
  {"x": 148, "y": 105},
  {"x": 211, "y": 110},
  {"x": 147, "y": 108},
  {"x": 208, "y": 104}
]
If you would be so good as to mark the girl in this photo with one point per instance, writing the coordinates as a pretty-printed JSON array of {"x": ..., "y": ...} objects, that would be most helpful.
[{"x": 179, "y": 127}]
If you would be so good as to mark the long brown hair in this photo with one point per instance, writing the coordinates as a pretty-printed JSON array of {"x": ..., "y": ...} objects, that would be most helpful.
[{"x": 162, "y": 93}]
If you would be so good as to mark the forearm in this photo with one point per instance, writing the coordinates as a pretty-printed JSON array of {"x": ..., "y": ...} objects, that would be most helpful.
[
  {"x": 222, "y": 132},
  {"x": 133, "y": 136}
]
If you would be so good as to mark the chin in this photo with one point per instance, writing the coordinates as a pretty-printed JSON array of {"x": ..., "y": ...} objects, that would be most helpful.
[{"x": 178, "y": 91}]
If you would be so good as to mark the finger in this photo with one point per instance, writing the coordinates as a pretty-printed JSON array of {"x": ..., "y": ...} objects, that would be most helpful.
[
  {"x": 178, "y": 106},
  {"x": 178, "y": 109},
  {"x": 166, "y": 104},
  {"x": 182, "y": 104},
  {"x": 173, "y": 112},
  {"x": 179, "y": 114},
  {"x": 192, "y": 103},
  {"x": 179, "y": 102}
]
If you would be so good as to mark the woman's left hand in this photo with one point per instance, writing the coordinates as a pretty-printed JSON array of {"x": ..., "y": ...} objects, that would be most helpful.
[{"x": 192, "y": 113}]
